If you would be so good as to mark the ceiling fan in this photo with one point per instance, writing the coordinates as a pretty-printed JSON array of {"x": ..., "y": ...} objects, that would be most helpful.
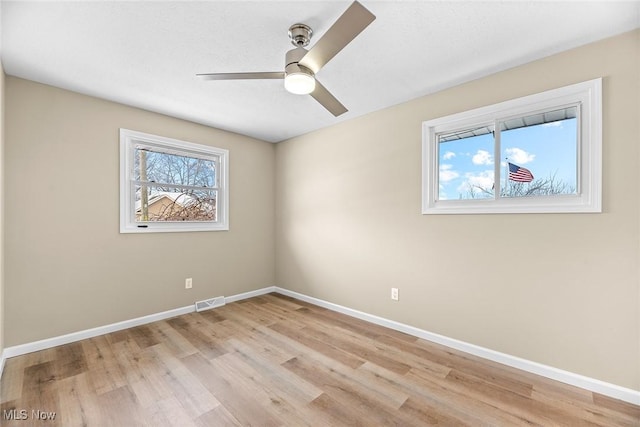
[{"x": 301, "y": 65}]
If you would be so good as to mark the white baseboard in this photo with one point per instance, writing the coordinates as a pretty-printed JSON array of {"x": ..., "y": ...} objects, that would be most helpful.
[
  {"x": 250, "y": 294},
  {"x": 591, "y": 384},
  {"x": 3, "y": 357}
]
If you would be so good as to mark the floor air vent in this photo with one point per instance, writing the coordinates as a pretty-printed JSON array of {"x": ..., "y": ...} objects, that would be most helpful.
[{"x": 210, "y": 303}]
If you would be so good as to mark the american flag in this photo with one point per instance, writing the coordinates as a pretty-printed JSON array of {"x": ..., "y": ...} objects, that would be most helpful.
[{"x": 519, "y": 174}]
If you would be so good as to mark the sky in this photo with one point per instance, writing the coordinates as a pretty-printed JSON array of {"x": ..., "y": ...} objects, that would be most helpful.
[{"x": 546, "y": 150}]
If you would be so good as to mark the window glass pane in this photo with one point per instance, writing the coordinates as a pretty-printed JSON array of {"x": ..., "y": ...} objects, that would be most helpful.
[
  {"x": 539, "y": 154},
  {"x": 166, "y": 168},
  {"x": 154, "y": 203},
  {"x": 466, "y": 164}
]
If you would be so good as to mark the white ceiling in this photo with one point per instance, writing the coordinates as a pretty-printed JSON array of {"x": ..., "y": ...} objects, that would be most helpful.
[{"x": 146, "y": 54}]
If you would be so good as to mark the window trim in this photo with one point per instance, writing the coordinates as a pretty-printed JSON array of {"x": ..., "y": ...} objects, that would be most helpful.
[
  {"x": 128, "y": 141},
  {"x": 587, "y": 95}
]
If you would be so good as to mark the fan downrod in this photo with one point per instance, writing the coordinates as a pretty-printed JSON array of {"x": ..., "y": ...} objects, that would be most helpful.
[{"x": 300, "y": 35}]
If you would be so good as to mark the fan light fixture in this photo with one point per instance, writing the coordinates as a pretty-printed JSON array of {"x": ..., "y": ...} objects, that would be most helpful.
[
  {"x": 299, "y": 83},
  {"x": 302, "y": 65}
]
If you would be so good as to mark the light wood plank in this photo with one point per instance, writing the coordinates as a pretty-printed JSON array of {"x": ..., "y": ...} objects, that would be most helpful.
[
  {"x": 103, "y": 370},
  {"x": 275, "y": 361}
]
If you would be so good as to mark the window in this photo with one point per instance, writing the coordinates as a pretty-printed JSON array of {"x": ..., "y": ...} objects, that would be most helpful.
[
  {"x": 540, "y": 153},
  {"x": 167, "y": 185}
]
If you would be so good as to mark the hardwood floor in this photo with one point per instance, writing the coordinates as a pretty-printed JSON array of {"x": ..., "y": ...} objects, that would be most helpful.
[{"x": 276, "y": 361}]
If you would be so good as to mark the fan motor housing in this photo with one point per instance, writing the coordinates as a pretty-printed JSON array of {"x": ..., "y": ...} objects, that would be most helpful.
[{"x": 292, "y": 58}]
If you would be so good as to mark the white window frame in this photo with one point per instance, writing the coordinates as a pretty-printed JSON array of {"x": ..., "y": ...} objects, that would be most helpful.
[
  {"x": 587, "y": 96},
  {"x": 129, "y": 140}
]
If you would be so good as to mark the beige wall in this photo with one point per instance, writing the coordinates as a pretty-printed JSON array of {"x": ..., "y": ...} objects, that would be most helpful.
[
  {"x": 349, "y": 228},
  {"x": 1, "y": 208},
  {"x": 67, "y": 266}
]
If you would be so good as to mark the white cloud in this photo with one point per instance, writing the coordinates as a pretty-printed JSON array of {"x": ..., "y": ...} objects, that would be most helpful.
[
  {"x": 443, "y": 194},
  {"x": 518, "y": 155},
  {"x": 483, "y": 179},
  {"x": 448, "y": 155},
  {"x": 447, "y": 174},
  {"x": 474, "y": 180},
  {"x": 482, "y": 157}
]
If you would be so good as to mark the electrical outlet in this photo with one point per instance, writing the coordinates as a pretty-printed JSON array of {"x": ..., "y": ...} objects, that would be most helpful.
[
  {"x": 394, "y": 294},
  {"x": 188, "y": 283}
]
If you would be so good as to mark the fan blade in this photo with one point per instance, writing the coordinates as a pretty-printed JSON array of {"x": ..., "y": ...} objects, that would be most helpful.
[
  {"x": 355, "y": 19},
  {"x": 241, "y": 76},
  {"x": 328, "y": 101}
]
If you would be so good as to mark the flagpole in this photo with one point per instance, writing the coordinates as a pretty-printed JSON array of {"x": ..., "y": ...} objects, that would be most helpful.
[{"x": 506, "y": 174}]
